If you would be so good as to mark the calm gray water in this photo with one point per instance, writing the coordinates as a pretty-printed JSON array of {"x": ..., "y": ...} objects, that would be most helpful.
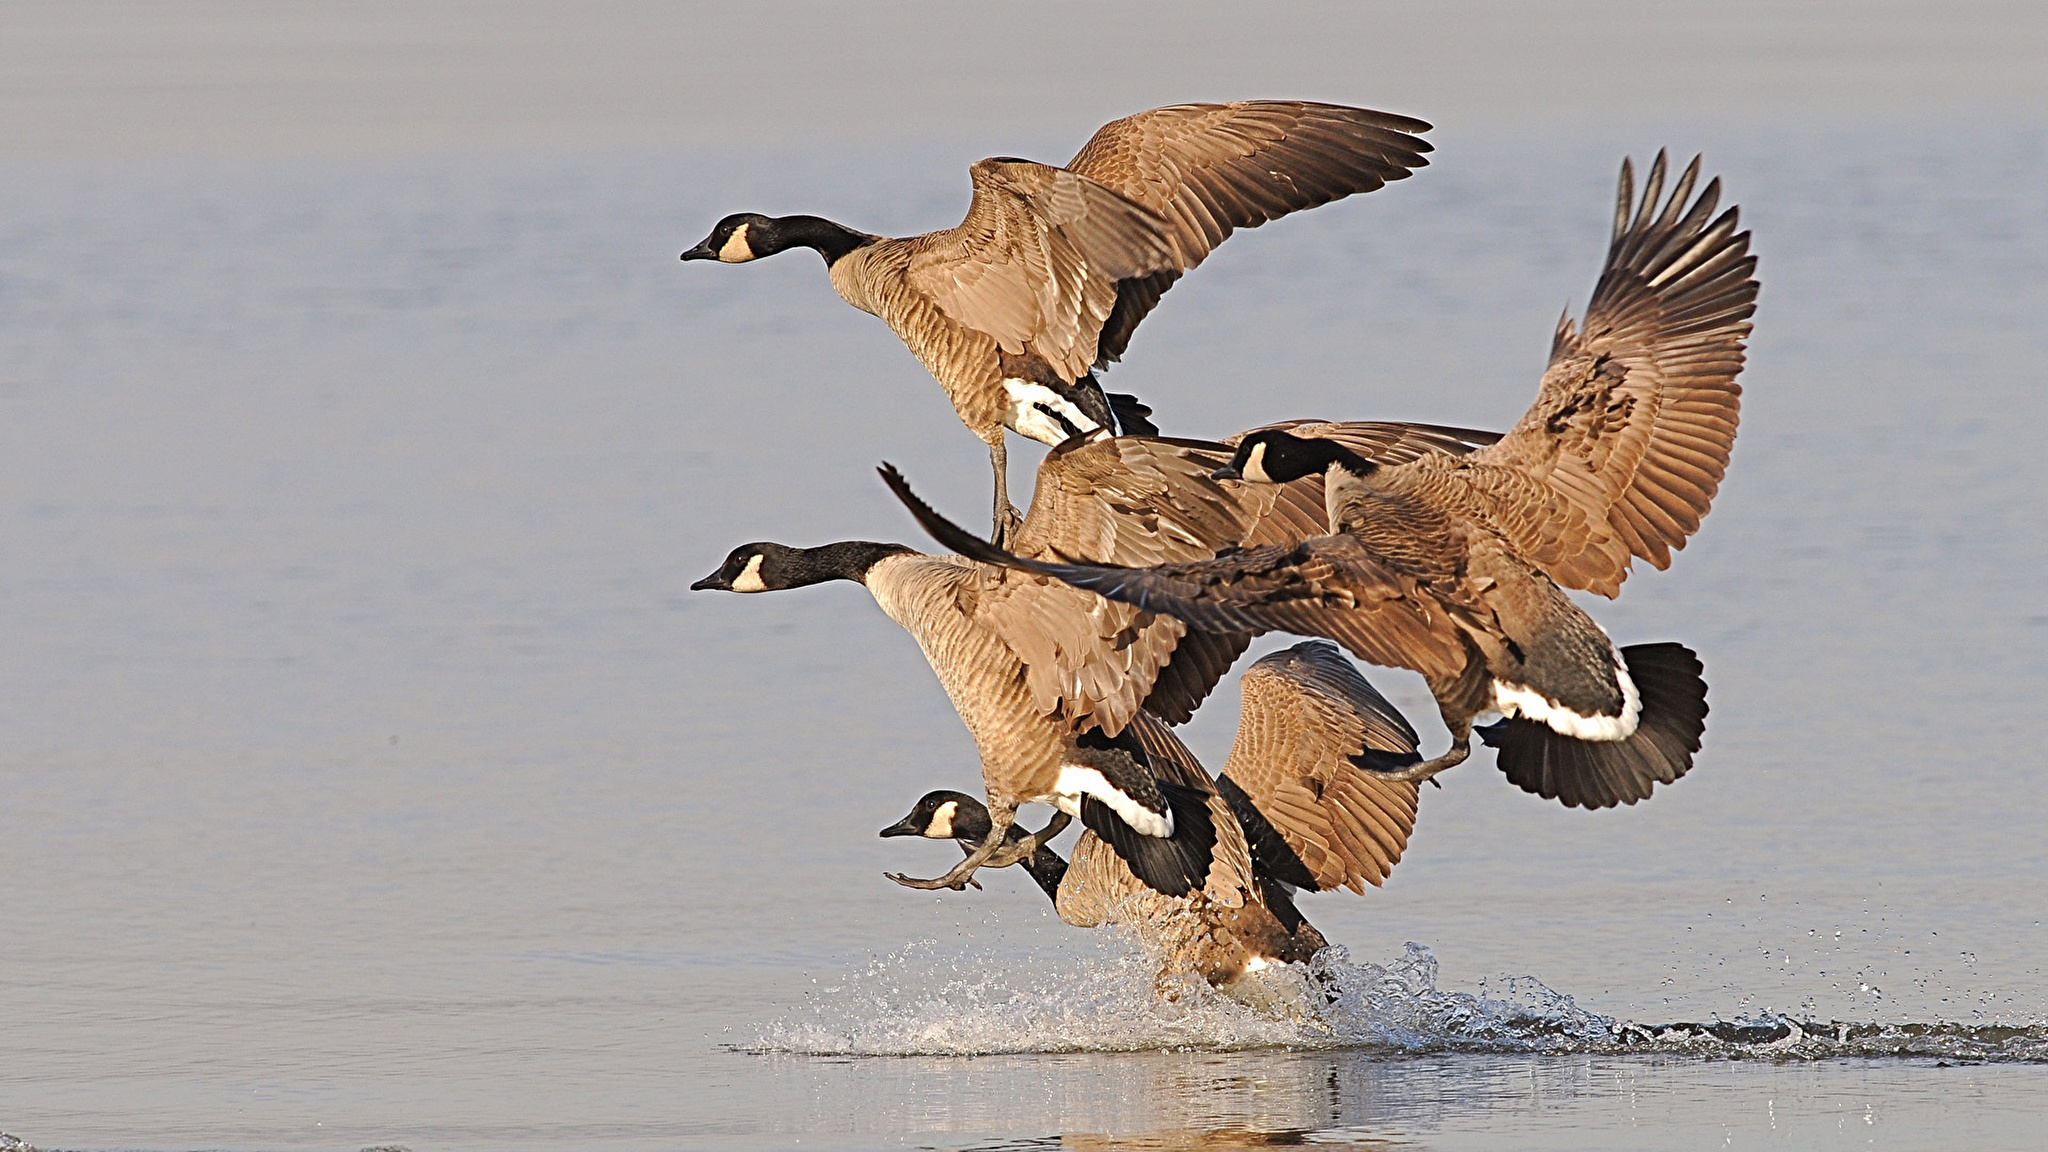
[{"x": 371, "y": 777}]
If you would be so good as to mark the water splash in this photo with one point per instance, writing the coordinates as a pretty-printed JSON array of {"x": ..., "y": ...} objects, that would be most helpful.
[{"x": 935, "y": 1000}]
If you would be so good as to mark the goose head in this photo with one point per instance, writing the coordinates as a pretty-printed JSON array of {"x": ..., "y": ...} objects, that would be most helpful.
[
  {"x": 747, "y": 236},
  {"x": 737, "y": 239},
  {"x": 1275, "y": 457},
  {"x": 944, "y": 815},
  {"x": 768, "y": 567}
]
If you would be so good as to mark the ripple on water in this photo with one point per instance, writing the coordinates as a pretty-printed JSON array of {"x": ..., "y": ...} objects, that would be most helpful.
[{"x": 931, "y": 1000}]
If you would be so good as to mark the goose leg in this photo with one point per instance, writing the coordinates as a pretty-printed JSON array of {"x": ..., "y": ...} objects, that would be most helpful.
[
  {"x": 1428, "y": 768},
  {"x": 1458, "y": 699},
  {"x": 1460, "y": 724},
  {"x": 1028, "y": 847},
  {"x": 999, "y": 818},
  {"x": 1006, "y": 518}
]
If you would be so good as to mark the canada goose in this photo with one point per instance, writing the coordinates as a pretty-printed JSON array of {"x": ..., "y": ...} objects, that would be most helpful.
[
  {"x": 1451, "y": 566},
  {"x": 1053, "y": 268},
  {"x": 1048, "y": 677},
  {"x": 1199, "y": 935},
  {"x": 1298, "y": 801}
]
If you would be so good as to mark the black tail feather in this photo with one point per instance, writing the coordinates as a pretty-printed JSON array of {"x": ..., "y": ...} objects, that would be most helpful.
[
  {"x": 1601, "y": 774},
  {"x": 1132, "y": 415},
  {"x": 1174, "y": 865}
]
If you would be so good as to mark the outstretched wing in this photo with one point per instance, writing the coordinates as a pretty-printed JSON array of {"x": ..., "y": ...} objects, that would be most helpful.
[
  {"x": 1038, "y": 258},
  {"x": 1632, "y": 426},
  {"x": 1307, "y": 721},
  {"x": 1210, "y": 169},
  {"x": 1327, "y": 586}
]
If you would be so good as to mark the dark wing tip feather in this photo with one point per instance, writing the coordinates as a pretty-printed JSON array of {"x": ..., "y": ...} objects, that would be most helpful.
[
  {"x": 954, "y": 537},
  {"x": 1272, "y": 856}
]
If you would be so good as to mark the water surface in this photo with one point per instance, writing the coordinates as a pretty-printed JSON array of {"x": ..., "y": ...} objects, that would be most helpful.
[{"x": 371, "y": 776}]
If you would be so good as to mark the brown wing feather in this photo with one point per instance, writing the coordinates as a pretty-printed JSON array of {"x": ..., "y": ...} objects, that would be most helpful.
[
  {"x": 1139, "y": 502},
  {"x": 1210, "y": 169},
  {"x": 1036, "y": 262},
  {"x": 1136, "y": 501},
  {"x": 1306, "y": 712},
  {"x": 1632, "y": 426},
  {"x": 1091, "y": 661},
  {"x": 1329, "y": 586}
]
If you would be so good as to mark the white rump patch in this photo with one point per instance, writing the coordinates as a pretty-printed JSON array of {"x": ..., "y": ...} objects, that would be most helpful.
[
  {"x": 1076, "y": 781},
  {"x": 736, "y": 250},
  {"x": 941, "y": 827},
  {"x": 1519, "y": 700},
  {"x": 1021, "y": 413},
  {"x": 1257, "y": 964},
  {"x": 749, "y": 579}
]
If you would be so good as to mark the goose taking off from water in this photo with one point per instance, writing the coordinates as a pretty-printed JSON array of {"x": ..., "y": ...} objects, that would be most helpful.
[
  {"x": 1045, "y": 280},
  {"x": 1301, "y": 785},
  {"x": 1451, "y": 566},
  {"x": 1048, "y": 677}
]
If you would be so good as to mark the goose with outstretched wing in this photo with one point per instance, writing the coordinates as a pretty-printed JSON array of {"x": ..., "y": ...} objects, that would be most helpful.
[
  {"x": 1453, "y": 565},
  {"x": 1043, "y": 283},
  {"x": 1049, "y": 677}
]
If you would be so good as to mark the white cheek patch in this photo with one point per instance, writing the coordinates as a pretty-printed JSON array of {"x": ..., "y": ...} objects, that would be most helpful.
[
  {"x": 1076, "y": 782},
  {"x": 736, "y": 250},
  {"x": 1518, "y": 700},
  {"x": 1254, "y": 468},
  {"x": 1020, "y": 412},
  {"x": 749, "y": 579},
  {"x": 941, "y": 827}
]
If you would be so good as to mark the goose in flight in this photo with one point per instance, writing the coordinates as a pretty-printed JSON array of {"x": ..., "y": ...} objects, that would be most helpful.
[
  {"x": 1047, "y": 677},
  {"x": 1301, "y": 804},
  {"x": 1452, "y": 565},
  {"x": 1043, "y": 283}
]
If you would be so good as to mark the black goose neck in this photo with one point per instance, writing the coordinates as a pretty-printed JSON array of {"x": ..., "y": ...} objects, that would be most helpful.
[
  {"x": 832, "y": 241},
  {"x": 1309, "y": 454},
  {"x": 846, "y": 560},
  {"x": 1349, "y": 461},
  {"x": 1048, "y": 868}
]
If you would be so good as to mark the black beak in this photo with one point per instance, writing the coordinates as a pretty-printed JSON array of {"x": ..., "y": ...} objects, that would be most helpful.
[
  {"x": 702, "y": 251},
  {"x": 1227, "y": 472},
  {"x": 904, "y": 827},
  {"x": 715, "y": 580}
]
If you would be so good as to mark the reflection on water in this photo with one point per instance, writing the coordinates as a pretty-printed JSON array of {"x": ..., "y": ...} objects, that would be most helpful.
[{"x": 1174, "y": 1099}]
